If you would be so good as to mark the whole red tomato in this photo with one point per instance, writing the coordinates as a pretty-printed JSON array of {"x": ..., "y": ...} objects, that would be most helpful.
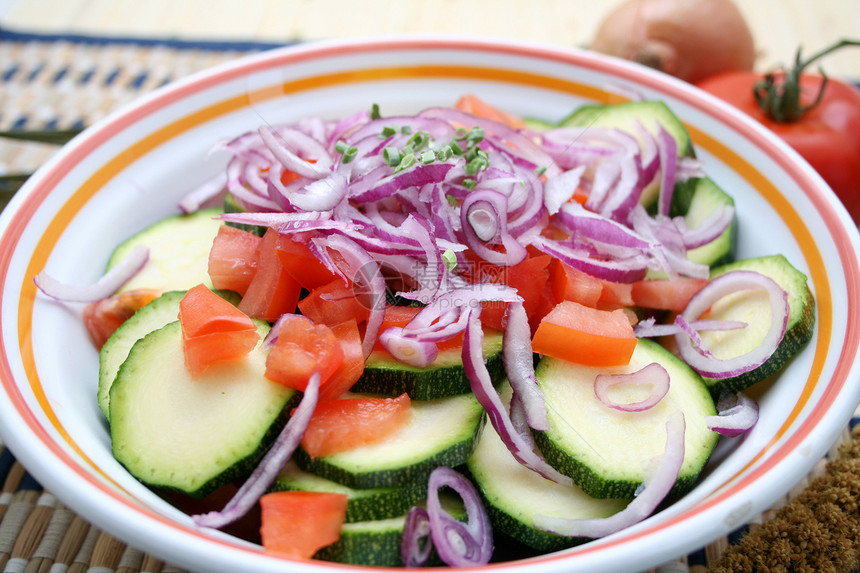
[{"x": 826, "y": 133}]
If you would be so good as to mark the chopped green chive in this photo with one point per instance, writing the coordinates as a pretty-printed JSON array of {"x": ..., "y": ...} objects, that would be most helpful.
[
  {"x": 451, "y": 200},
  {"x": 388, "y": 131},
  {"x": 461, "y": 133},
  {"x": 348, "y": 152},
  {"x": 391, "y": 156},
  {"x": 450, "y": 259},
  {"x": 374, "y": 111},
  {"x": 540, "y": 170},
  {"x": 406, "y": 129},
  {"x": 469, "y": 183},
  {"x": 407, "y": 160},
  {"x": 428, "y": 156}
]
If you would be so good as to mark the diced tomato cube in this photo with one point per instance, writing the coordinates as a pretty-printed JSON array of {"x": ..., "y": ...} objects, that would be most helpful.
[
  {"x": 665, "y": 294},
  {"x": 585, "y": 335},
  {"x": 303, "y": 348},
  {"x": 300, "y": 523},
  {"x": 233, "y": 259},
  {"x": 341, "y": 425},
  {"x": 531, "y": 280},
  {"x": 104, "y": 316},
  {"x": 213, "y": 330},
  {"x": 333, "y": 303},
  {"x": 568, "y": 283},
  {"x": 351, "y": 367},
  {"x": 272, "y": 291},
  {"x": 298, "y": 260}
]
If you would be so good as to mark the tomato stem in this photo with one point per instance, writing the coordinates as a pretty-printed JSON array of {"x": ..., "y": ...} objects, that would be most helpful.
[{"x": 778, "y": 92}]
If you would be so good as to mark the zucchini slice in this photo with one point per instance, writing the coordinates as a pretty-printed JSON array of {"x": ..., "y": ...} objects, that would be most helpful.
[
  {"x": 193, "y": 435},
  {"x": 514, "y": 494},
  {"x": 443, "y": 377},
  {"x": 608, "y": 452},
  {"x": 439, "y": 433},
  {"x": 377, "y": 542},
  {"x": 178, "y": 252},
  {"x": 153, "y": 316},
  {"x": 364, "y": 504},
  {"x": 752, "y": 307}
]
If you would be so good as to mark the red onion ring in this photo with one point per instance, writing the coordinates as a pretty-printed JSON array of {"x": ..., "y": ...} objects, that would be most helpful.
[
  {"x": 657, "y": 487},
  {"x": 417, "y": 353},
  {"x": 104, "y": 287},
  {"x": 270, "y": 466},
  {"x": 735, "y": 415},
  {"x": 653, "y": 374},
  {"x": 416, "y": 543},
  {"x": 520, "y": 446},
  {"x": 719, "y": 287},
  {"x": 518, "y": 359},
  {"x": 458, "y": 544}
]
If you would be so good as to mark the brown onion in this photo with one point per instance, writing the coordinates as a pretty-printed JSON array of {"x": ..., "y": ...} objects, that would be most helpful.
[{"x": 689, "y": 39}]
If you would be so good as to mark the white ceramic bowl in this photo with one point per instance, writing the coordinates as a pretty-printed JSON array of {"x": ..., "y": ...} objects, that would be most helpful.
[{"x": 130, "y": 169}]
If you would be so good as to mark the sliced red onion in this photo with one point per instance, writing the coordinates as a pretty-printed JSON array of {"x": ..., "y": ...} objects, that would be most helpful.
[
  {"x": 419, "y": 175},
  {"x": 363, "y": 269},
  {"x": 493, "y": 206},
  {"x": 274, "y": 220},
  {"x": 560, "y": 189},
  {"x": 286, "y": 142},
  {"x": 518, "y": 359},
  {"x": 667, "y": 149},
  {"x": 657, "y": 487},
  {"x": 104, "y": 287},
  {"x": 653, "y": 375},
  {"x": 711, "y": 228},
  {"x": 648, "y": 327},
  {"x": 204, "y": 194},
  {"x": 593, "y": 226},
  {"x": 270, "y": 466},
  {"x": 626, "y": 270},
  {"x": 321, "y": 195},
  {"x": 417, "y": 353},
  {"x": 416, "y": 543},
  {"x": 458, "y": 544},
  {"x": 696, "y": 340},
  {"x": 721, "y": 286},
  {"x": 735, "y": 415},
  {"x": 521, "y": 448}
]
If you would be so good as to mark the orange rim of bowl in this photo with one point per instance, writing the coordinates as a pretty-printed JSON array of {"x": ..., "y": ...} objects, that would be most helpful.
[{"x": 98, "y": 179}]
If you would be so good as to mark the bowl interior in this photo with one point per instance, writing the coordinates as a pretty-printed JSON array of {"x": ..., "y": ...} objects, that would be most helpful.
[{"x": 131, "y": 169}]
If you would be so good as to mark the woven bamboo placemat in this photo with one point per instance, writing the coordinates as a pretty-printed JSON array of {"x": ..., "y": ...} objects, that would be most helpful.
[{"x": 68, "y": 82}]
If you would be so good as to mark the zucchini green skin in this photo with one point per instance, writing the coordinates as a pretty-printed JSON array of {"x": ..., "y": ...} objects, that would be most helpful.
[
  {"x": 178, "y": 252},
  {"x": 440, "y": 433},
  {"x": 364, "y": 504},
  {"x": 444, "y": 377},
  {"x": 152, "y": 316},
  {"x": 188, "y": 435},
  {"x": 607, "y": 452},
  {"x": 514, "y": 495},
  {"x": 799, "y": 330}
]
